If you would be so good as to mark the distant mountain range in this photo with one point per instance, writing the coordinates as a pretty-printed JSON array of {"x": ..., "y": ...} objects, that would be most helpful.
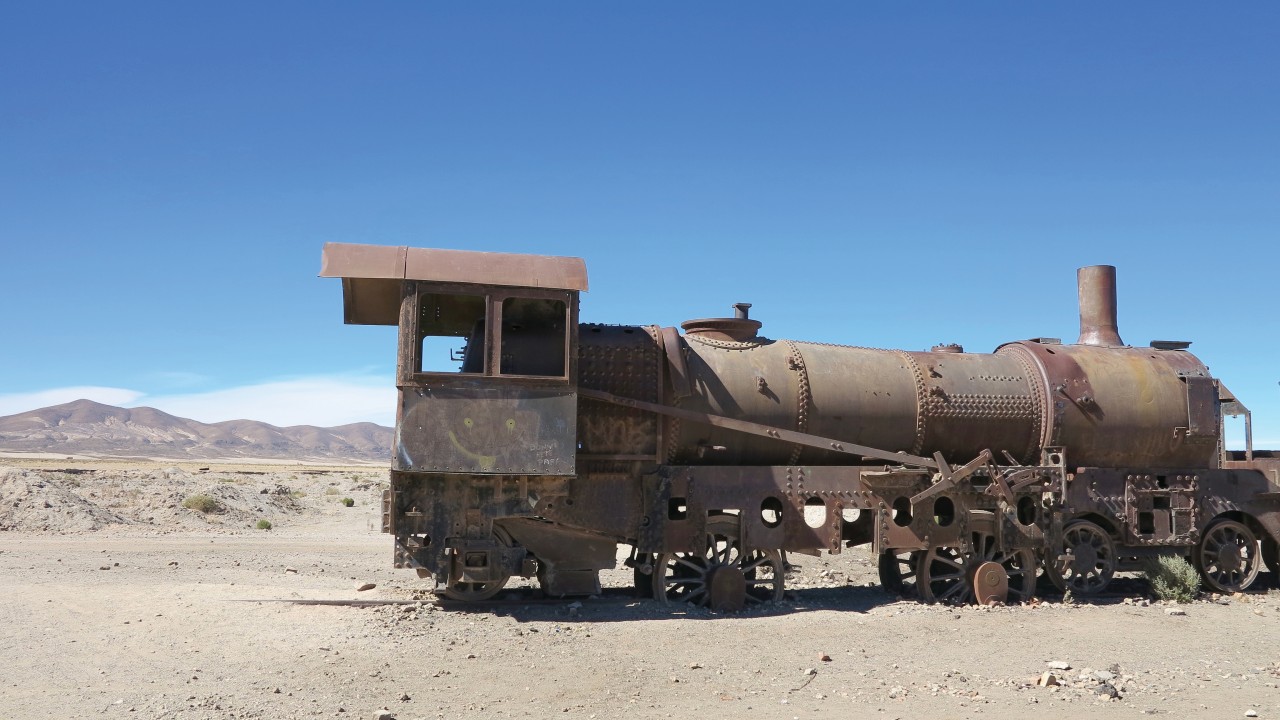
[{"x": 85, "y": 427}]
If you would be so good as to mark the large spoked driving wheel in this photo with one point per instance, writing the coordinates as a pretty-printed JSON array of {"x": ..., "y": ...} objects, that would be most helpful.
[
  {"x": 1086, "y": 561},
  {"x": 1228, "y": 556},
  {"x": 947, "y": 575},
  {"x": 725, "y": 577}
]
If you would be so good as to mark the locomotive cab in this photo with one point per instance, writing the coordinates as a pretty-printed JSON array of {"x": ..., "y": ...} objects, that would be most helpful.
[{"x": 486, "y": 362}]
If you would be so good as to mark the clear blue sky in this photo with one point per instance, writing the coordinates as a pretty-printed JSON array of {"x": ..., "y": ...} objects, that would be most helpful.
[{"x": 884, "y": 174}]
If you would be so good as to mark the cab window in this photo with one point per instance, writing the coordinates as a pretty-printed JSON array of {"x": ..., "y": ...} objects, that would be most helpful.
[{"x": 450, "y": 333}]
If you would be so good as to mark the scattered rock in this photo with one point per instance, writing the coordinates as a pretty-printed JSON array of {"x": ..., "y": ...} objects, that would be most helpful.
[
  {"x": 1175, "y": 611},
  {"x": 364, "y": 586},
  {"x": 1106, "y": 690},
  {"x": 1059, "y": 665}
]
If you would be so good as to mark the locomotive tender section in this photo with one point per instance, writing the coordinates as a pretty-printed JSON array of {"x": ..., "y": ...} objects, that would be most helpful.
[{"x": 528, "y": 444}]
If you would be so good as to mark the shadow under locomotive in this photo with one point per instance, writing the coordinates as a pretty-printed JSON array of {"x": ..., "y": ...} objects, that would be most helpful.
[{"x": 528, "y": 444}]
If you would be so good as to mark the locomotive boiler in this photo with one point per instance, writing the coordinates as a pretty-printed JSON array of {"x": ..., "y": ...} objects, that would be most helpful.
[{"x": 530, "y": 444}]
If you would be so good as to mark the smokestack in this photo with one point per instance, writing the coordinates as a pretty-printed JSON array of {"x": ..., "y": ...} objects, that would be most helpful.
[{"x": 1097, "y": 287}]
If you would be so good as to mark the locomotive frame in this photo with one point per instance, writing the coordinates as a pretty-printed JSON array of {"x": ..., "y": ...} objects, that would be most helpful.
[{"x": 551, "y": 443}]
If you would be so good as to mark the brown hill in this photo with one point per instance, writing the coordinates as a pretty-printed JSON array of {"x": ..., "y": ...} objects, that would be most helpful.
[{"x": 84, "y": 427}]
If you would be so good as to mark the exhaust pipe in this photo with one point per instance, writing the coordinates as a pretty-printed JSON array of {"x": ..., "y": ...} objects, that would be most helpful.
[{"x": 1097, "y": 288}]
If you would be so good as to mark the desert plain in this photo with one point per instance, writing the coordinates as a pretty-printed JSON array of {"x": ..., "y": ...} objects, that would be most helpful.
[{"x": 117, "y": 601}]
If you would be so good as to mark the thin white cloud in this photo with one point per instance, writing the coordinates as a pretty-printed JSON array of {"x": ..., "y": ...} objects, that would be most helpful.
[
  {"x": 179, "y": 379},
  {"x": 320, "y": 400},
  {"x": 14, "y": 403}
]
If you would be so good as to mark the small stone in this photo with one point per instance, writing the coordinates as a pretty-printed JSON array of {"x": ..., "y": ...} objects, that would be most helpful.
[
  {"x": 1106, "y": 690},
  {"x": 173, "y": 563},
  {"x": 1251, "y": 713},
  {"x": 811, "y": 671},
  {"x": 405, "y": 697},
  {"x": 383, "y": 714},
  {"x": 276, "y": 691},
  {"x": 1103, "y": 676},
  {"x": 291, "y": 570},
  {"x": 823, "y": 657},
  {"x": 1175, "y": 612},
  {"x": 471, "y": 656},
  {"x": 1059, "y": 665},
  {"x": 695, "y": 666},
  {"x": 105, "y": 567},
  {"x": 365, "y": 586},
  {"x": 1048, "y": 679}
]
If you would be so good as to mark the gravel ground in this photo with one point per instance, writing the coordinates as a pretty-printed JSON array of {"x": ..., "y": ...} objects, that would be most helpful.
[{"x": 119, "y": 602}]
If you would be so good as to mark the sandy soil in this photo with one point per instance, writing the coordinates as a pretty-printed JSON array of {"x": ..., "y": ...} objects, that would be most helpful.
[{"x": 118, "y": 602}]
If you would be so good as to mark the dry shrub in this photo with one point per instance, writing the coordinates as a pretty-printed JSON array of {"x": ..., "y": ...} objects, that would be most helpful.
[
  {"x": 202, "y": 503},
  {"x": 1172, "y": 578}
]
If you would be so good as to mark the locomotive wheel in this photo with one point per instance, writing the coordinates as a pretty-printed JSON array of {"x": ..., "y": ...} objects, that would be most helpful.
[
  {"x": 946, "y": 575},
  {"x": 1085, "y": 563},
  {"x": 644, "y": 580},
  {"x": 1271, "y": 553},
  {"x": 724, "y": 578},
  {"x": 1228, "y": 557},
  {"x": 474, "y": 591},
  {"x": 897, "y": 569},
  {"x": 478, "y": 591}
]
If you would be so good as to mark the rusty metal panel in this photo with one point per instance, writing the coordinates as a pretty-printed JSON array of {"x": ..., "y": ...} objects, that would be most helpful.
[
  {"x": 348, "y": 260},
  {"x": 482, "y": 429},
  {"x": 487, "y": 268},
  {"x": 1202, "y": 407}
]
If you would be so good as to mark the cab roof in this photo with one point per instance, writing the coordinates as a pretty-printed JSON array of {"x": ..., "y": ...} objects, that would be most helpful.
[{"x": 371, "y": 274}]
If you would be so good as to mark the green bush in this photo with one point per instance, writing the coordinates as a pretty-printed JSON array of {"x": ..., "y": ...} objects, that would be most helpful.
[
  {"x": 1173, "y": 578},
  {"x": 348, "y": 502},
  {"x": 264, "y": 525},
  {"x": 202, "y": 503}
]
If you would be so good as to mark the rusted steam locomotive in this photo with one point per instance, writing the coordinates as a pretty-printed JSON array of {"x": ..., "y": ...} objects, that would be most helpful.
[{"x": 528, "y": 444}]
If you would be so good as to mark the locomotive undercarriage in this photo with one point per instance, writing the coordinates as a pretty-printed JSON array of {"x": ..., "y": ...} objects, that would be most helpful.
[{"x": 716, "y": 535}]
